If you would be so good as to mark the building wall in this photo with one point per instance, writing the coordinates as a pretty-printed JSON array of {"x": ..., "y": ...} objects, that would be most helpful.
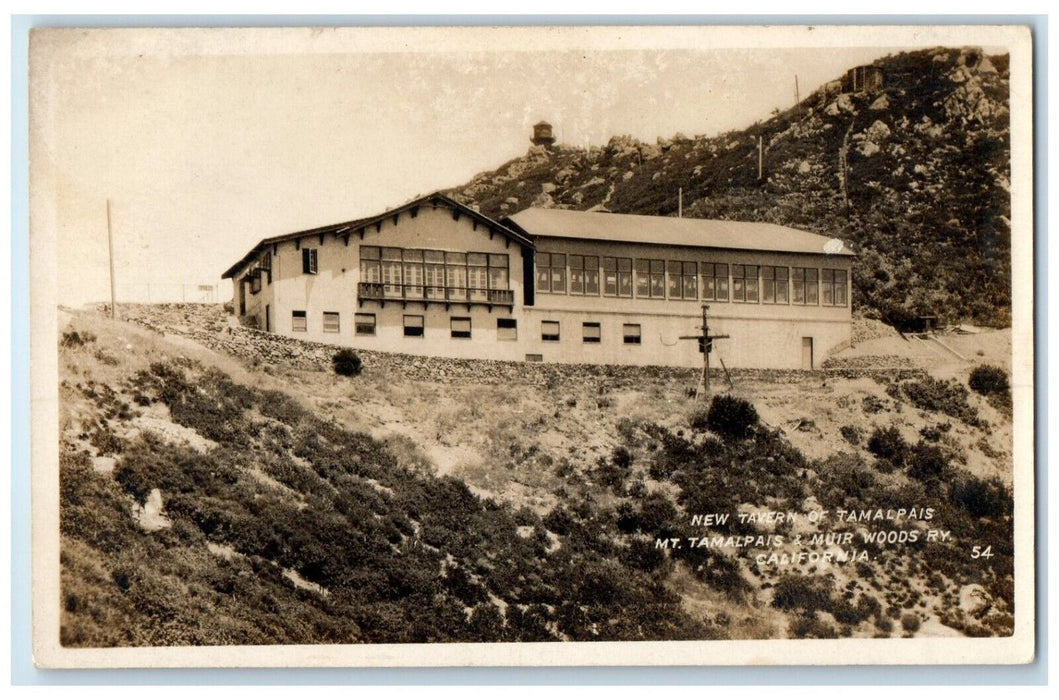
[{"x": 762, "y": 335}]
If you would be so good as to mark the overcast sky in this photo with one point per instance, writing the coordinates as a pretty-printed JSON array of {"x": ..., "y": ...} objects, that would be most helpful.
[{"x": 207, "y": 142}]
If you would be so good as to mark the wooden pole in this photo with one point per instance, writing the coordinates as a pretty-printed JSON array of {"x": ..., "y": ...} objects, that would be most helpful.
[
  {"x": 680, "y": 203},
  {"x": 706, "y": 350},
  {"x": 797, "y": 95},
  {"x": 110, "y": 255}
]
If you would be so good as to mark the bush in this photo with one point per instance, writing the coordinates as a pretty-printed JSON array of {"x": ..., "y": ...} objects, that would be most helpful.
[
  {"x": 982, "y": 498},
  {"x": 851, "y": 434},
  {"x": 346, "y": 363},
  {"x": 731, "y": 416},
  {"x": 926, "y": 462},
  {"x": 888, "y": 444},
  {"x": 910, "y": 622},
  {"x": 988, "y": 379},
  {"x": 939, "y": 396},
  {"x": 796, "y": 592}
]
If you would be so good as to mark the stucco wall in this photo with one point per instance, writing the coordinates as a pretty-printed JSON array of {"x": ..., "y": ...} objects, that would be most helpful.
[{"x": 762, "y": 335}]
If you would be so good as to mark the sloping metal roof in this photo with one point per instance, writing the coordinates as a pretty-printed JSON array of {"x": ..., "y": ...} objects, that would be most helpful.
[
  {"x": 668, "y": 230},
  {"x": 436, "y": 199}
]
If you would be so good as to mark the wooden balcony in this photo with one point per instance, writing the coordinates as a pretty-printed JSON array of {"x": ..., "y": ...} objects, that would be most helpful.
[{"x": 423, "y": 294}]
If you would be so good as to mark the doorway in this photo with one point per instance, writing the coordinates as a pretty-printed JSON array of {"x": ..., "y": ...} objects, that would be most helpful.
[
  {"x": 268, "y": 320},
  {"x": 807, "y": 353}
]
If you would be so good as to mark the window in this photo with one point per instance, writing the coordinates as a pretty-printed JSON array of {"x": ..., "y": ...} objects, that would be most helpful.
[
  {"x": 506, "y": 329},
  {"x": 617, "y": 277},
  {"x": 682, "y": 280},
  {"x": 551, "y": 273},
  {"x": 413, "y": 326},
  {"x": 413, "y": 273},
  {"x": 330, "y": 322},
  {"x": 391, "y": 273},
  {"x": 298, "y": 322},
  {"x": 456, "y": 275},
  {"x": 550, "y": 330},
  {"x": 630, "y": 333},
  {"x": 745, "y": 283},
  {"x": 498, "y": 271},
  {"x": 534, "y": 357},
  {"x": 255, "y": 281},
  {"x": 369, "y": 265},
  {"x": 266, "y": 265},
  {"x": 584, "y": 274},
  {"x": 434, "y": 273},
  {"x": 364, "y": 324},
  {"x": 805, "y": 282},
  {"x": 774, "y": 287},
  {"x": 715, "y": 281},
  {"x": 309, "y": 261},
  {"x": 650, "y": 279},
  {"x": 833, "y": 287},
  {"x": 460, "y": 327},
  {"x": 590, "y": 332}
]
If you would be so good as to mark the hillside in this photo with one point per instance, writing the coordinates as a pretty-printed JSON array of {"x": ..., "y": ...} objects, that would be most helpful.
[
  {"x": 225, "y": 487},
  {"x": 916, "y": 175}
]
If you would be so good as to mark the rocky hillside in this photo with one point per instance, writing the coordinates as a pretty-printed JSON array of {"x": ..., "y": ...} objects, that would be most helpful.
[{"x": 915, "y": 174}]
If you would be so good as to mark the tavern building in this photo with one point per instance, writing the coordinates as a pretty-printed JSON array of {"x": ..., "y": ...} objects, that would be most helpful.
[{"x": 434, "y": 277}]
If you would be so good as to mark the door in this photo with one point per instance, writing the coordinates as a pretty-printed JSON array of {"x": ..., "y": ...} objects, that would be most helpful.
[
  {"x": 268, "y": 319},
  {"x": 807, "y": 353}
]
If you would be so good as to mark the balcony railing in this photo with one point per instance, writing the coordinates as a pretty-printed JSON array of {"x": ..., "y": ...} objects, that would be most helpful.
[{"x": 378, "y": 291}]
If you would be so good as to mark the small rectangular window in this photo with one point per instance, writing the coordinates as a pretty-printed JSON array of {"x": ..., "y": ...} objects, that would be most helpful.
[
  {"x": 365, "y": 324},
  {"x": 590, "y": 332},
  {"x": 460, "y": 326},
  {"x": 506, "y": 329},
  {"x": 630, "y": 333},
  {"x": 309, "y": 261},
  {"x": 534, "y": 357},
  {"x": 550, "y": 330},
  {"x": 330, "y": 322},
  {"x": 298, "y": 322},
  {"x": 413, "y": 326}
]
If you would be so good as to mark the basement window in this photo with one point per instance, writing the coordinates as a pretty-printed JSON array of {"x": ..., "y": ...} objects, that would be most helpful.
[
  {"x": 413, "y": 326},
  {"x": 364, "y": 324},
  {"x": 506, "y": 329},
  {"x": 630, "y": 333},
  {"x": 310, "y": 261},
  {"x": 331, "y": 322},
  {"x": 298, "y": 322},
  {"x": 590, "y": 332},
  {"x": 550, "y": 331},
  {"x": 460, "y": 326}
]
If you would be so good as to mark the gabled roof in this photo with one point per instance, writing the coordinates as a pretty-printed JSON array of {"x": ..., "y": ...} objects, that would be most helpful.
[
  {"x": 346, "y": 227},
  {"x": 669, "y": 230}
]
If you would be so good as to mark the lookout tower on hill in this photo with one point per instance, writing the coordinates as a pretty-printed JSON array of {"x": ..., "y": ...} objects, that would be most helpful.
[{"x": 542, "y": 134}]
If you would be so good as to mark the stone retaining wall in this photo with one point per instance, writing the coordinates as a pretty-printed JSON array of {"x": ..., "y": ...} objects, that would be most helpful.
[{"x": 258, "y": 346}]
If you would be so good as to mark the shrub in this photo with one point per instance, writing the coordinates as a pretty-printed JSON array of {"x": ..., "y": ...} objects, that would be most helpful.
[
  {"x": 939, "y": 396},
  {"x": 698, "y": 419},
  {"x": 982, "y": 498},
  {"x": 988, "y": 379},
  {"x": 731, "y": 416},
  {"x": 926, "y": 462},
  {"x": 796, "y": 592},
  {"x": 346, "y": 363},
  {"x": 888, "y": 444},
  {"x": 851, "y": 434},
  {"x": 910, "y": 622}
]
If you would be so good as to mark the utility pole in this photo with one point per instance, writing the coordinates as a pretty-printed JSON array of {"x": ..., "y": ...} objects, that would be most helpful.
[
  {"x": 706, "y": 347},
  {"x": 110, "y": 255},
  {"x": 797, "y": 95},
  {"x": 680, "y": 203}
]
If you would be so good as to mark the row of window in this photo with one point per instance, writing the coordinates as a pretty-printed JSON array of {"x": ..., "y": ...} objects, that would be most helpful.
[
  {"x": 675, "y": 279},
  {"x": 460, "y": 327},
  {"x": 407, "y": 271}
]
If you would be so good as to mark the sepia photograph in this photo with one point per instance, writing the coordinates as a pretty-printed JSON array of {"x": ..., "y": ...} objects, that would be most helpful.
[{"x": 427, "y": 346}]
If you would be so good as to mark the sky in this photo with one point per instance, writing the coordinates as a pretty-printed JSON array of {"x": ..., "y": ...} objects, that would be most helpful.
[{"x": 206, "y": 141}]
